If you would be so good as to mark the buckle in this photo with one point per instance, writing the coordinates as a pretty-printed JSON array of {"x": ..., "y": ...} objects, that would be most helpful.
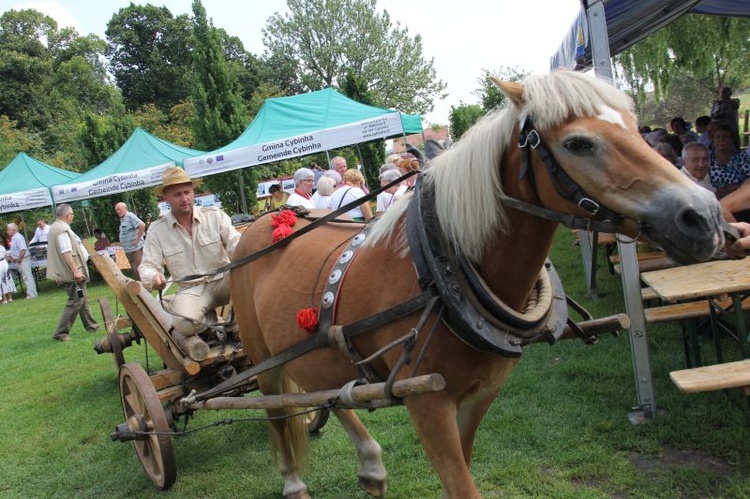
[{"x": 589, "y": 205}]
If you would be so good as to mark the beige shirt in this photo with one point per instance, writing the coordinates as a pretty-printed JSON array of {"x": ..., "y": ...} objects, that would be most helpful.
[
  {"x": 61, "y": 240},
  {"x": 209, "y": 246}
]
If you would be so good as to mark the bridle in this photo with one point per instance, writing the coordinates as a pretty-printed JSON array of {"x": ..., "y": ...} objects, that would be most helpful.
[{"x": 603, "y": 219}]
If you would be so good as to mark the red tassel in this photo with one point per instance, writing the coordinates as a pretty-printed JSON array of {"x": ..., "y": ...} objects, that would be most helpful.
[
  {"x": 286, "y": 217},
  {"x": 280, "y": 233},
  {"x": 307, "y": 319}
]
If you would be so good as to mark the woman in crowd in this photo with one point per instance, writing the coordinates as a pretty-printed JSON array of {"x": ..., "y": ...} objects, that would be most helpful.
[
  {"x": 325, "y": 188},
  {"x": 352, "y": 190},
  {"x": 729, "y": 169},
  {"x": 7, "y": 286},
  {"x": 406, "y": 165},
  {"x": 385, "y": 198}
]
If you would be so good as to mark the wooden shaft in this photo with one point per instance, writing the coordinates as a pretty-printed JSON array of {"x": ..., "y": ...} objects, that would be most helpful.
[
  {"x": 195, "y": 347},
  {"x": 360, "y": 394},
  {"x": 597, "y": 327}
]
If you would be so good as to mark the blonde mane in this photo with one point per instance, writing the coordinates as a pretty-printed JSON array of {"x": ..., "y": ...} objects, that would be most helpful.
[{"x": 466, "y": 178}]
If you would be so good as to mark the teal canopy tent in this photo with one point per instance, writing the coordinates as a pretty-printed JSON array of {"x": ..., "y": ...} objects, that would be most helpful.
[
  {"x": 304, "y": 124},
  {"x": 25, "y": 183},
  {"x": 137, "y": 164}
]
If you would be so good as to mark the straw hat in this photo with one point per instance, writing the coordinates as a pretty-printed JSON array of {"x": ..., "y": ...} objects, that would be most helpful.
[{"x": 174, "y": 175}]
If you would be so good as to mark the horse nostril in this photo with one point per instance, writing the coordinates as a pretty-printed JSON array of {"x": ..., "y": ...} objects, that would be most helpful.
[{"x": 690, "y": 221}]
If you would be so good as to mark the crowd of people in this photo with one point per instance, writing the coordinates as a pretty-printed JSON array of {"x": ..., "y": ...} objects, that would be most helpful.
[
  {"x": 711, "y": 155},
  {"x": 340, "y": 185}
]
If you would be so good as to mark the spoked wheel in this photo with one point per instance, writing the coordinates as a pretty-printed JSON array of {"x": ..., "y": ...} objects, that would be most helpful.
[
  {"x": 317, "y": 420},
  {"x": 112, "y": 335},
  {"x": 145, "y": 416}
]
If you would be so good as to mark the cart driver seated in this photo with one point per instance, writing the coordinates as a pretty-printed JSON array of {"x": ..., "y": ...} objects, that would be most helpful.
[{"x": 189, "y": 240}]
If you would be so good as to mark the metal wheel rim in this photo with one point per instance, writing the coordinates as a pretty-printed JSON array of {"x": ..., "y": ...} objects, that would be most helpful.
[
  {"x": 112, "y": 335},
  {"x": 139, "y": 398},
  {"x": 317, "y": 420}
]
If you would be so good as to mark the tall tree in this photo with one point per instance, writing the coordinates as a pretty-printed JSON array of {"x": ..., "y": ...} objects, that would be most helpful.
[
  {"x": 371, "y": 153},
  {"x": 711, "y": 49},
  {"x": 49, "y": 79},
  {"x": 461, "y": 118},
  {"x": 328, "y": 38},
  {"x": 220, "y": 114},
  {"x": 149, "y": 50}
]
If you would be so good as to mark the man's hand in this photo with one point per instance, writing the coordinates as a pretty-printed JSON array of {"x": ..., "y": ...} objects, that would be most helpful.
[
  {"x": 159, "y": 282},
  {"x": 78, "y": 275},
  {"x": 738, "y": 247}
]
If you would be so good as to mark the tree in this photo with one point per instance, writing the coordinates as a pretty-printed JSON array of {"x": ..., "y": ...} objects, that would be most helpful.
[
  {"x": 371, "y": 153},
  {"x": 220, "y": 114},
  {"x": 149, "y": 50},
  {"x": 710, "y": 49},
  {"x": 328, "y": 38},
  {"x": 490, "y": 96},
  {"x": 49, "y": 79},
  {"x": 461, "y": 118}
]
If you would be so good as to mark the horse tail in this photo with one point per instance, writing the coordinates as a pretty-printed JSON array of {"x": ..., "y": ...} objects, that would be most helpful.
[{"x": 296, "y": 436}]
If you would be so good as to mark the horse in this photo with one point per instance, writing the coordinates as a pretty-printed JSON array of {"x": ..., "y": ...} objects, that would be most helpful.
[{"x": 590, "y": 133}]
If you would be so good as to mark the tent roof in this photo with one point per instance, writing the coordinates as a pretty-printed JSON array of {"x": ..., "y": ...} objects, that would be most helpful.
[
  {"x": 141, "y": 150},
  {"x": 629, "y": 21},
  {"x": 301, "y": 125},
  {"x": 283, "y": 117},
  {"x": 137, "y": 164},
  {"x": 25, "y": 173}
]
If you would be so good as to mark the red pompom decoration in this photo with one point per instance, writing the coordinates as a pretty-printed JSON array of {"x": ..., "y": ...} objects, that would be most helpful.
[
  {"x": 280, "y": 233},
  {"x": 307, "y": 319},
  {"x": 286, "y": 217}
]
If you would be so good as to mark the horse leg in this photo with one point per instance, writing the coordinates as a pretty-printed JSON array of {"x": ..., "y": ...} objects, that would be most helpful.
[
  {"x": 434, "y": 418},
  {"x": 371, "y": 476},
  {"x": 288, "y": 437},
  {"x": 470, "y": 414}
]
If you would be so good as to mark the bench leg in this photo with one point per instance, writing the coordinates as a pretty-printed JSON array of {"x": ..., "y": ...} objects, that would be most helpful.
[{"x": 691, "y": 344}]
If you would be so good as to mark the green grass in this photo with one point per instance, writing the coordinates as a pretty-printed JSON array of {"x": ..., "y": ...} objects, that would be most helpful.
[{"x": 558, "y": 429}]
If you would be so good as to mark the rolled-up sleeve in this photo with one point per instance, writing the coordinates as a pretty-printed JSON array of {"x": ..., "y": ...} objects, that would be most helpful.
[{"x": 151, "y": 264}]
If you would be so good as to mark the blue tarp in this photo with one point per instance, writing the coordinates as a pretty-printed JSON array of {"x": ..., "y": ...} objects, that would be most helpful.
[{"x": 629, "y": 21}]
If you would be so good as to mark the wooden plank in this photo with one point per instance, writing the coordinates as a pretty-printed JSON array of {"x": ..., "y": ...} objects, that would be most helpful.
[
  {"x": 642, "y": 257},
  {"x": 689, "y": 310},
  {"x": 117, "y": 282},
  {"x": 648, "y": 294},
  {"x": 651, "y": 265},
  {"x": 700, "y": 280},
  {"x": 715, "y": 377}
]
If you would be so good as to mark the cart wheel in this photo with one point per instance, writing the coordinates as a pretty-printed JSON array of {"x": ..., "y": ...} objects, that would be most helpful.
[
  {"x": 144, "y": 412},
  {"x": 317, "y": 420},
  {"x": 112, "y": 335}
]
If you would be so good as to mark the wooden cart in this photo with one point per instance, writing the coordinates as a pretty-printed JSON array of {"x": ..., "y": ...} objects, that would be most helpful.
[{"x": 151, "y": 401}]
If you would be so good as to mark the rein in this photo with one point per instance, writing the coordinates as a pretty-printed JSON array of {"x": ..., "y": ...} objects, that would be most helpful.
[{"x": 304, "y": 230}]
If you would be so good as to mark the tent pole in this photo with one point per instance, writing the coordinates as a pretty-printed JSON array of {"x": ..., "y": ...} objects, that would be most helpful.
[
  {"x": 242, "y": 192},
  {"x": 328, "y": 158}
]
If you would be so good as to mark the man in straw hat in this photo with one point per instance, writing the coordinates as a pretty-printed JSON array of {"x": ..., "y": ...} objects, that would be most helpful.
[{"x": 190, "y": 240}]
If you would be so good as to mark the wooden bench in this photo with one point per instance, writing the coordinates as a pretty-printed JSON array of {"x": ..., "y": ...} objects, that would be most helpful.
[
  {"x": 684, "y": 311},
  {"x": 648, "y": 294},
  {"x": 715, "y": 377},
  {"x": 653, "y": 260}
]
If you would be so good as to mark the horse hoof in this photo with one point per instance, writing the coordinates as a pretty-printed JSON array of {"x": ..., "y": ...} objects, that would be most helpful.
[{"x": 375, "y": 488}]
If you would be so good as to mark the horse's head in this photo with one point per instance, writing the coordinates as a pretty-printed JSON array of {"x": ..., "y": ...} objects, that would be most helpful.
[{"x": 589, "y": 129}]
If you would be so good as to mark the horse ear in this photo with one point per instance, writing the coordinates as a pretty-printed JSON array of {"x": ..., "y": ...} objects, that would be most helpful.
[{"x": 512, "y": 90}]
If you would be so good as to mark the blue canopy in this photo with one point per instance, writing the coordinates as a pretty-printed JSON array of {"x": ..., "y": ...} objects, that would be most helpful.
[
  {"x": 629, "y": 21},
  {"x": 138, "y": 163},
  {"x": 25, "y": 182},
  {"x": 304, "y": 124}
]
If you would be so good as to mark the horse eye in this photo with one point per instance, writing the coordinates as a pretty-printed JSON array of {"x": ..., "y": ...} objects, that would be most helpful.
[{"x": 579, "y": 145}]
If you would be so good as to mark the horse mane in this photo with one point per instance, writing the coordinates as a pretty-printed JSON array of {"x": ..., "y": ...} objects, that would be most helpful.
[{"x": 466, "y": 178}]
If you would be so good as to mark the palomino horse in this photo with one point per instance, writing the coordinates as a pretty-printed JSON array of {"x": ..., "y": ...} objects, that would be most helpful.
[{"x": 591, "y": 134}]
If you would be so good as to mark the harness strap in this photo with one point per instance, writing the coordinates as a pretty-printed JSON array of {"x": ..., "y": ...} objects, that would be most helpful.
[
  {"x": 530, "y": 139},
  {"x": 321, "y": 340}
]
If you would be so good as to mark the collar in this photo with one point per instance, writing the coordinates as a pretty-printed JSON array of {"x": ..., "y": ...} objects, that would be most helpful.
[{"x": 306, "y": 196}]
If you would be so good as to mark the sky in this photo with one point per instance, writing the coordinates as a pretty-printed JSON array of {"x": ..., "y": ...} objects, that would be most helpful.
[{"x": 463, "y": 37}]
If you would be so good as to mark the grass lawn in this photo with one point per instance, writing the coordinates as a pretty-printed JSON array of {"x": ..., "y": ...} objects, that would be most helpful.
[{"x": 558, "y": 429}]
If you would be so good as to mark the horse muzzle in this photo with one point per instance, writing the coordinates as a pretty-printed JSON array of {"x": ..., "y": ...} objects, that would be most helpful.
[{"x": 686, "y": 223}]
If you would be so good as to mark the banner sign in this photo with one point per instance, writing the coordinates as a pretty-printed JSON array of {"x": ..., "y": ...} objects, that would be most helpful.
[
  {"x": 25, "y": 200},
  {"x": 111, "y": 184},
  {"x": 380, "y": 127}
]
